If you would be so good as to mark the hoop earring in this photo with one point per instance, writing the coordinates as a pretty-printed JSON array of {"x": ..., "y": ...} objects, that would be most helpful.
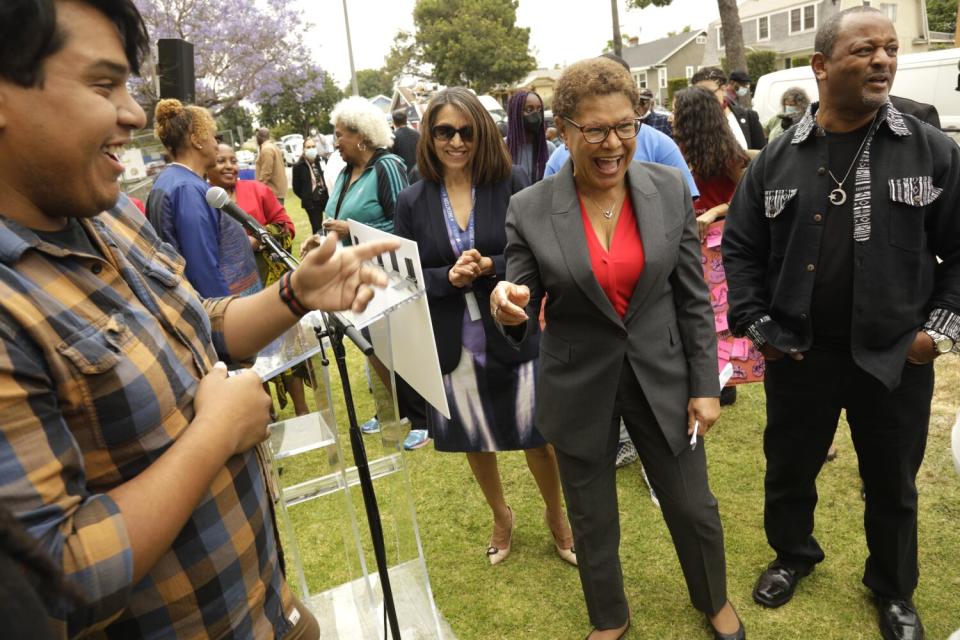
[{"x": 361, "y": 147}]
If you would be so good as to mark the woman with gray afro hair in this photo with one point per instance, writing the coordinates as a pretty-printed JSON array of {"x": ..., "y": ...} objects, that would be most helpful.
[{"x": 366, "y": 190}]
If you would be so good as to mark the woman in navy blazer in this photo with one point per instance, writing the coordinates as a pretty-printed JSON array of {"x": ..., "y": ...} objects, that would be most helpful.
[{"x": 456, "y": 214}]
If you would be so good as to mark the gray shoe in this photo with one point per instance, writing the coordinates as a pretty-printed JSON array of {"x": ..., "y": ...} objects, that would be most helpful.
[{"x": 626, "y": 453}]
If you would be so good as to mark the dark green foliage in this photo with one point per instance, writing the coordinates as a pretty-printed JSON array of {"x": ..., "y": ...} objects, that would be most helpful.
[{"x": 473, "y": 43}]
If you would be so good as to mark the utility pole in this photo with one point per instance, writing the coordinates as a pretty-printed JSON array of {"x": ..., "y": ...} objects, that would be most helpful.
[
  {"x": 617, "y": 39},
  {"x": 353, "y": 72}
]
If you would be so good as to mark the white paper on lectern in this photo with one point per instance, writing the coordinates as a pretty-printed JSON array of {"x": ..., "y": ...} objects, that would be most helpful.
[{"x": 413, "y": 350}]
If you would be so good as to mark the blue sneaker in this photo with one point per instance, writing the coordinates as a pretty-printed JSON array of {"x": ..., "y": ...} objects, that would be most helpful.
[
  {"x": 370, "y": 426},
  {"x": 416, "y": 439}
]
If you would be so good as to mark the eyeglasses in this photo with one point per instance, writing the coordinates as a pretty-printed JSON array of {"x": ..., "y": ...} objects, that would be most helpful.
[
  {"x": 596, "y": 135},
  {"x": 445, "y": 132}
]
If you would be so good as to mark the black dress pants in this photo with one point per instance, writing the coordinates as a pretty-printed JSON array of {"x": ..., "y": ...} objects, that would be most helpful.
[
  {"x": 889, "y": 430},
  {"x": 689, "y": 509}
]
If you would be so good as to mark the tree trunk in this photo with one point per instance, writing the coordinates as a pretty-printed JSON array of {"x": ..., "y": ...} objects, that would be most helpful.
[
  {"x": 617, "y": 39},
  {"x": 732, "y": 35},
  {"x": 956, "y": 30}
]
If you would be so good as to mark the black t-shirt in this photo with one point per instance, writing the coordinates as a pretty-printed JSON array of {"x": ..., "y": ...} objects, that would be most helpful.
[
  {"x": 831, "y": 307},
  {"x": 71, "y": 237}
]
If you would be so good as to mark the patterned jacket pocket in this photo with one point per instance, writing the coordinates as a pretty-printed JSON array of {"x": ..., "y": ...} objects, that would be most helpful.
[
  {"x": 775, "y": 200},
  {"x": 916, "y": 191}
]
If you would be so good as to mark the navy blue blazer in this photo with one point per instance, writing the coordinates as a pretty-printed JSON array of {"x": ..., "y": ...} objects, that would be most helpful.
[{"x": 419, "y": 217}]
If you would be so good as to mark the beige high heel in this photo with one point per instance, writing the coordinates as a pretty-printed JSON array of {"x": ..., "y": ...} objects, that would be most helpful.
[
  {"x": 495, "y": 554},
  {"x": 567, "y": 555}
]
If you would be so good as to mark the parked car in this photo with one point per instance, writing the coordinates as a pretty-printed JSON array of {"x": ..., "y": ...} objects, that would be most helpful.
[
  {"x": 246, "y": 158},
  {"x": 494, "y": 108},
  {"x": 292, "y": 148}
]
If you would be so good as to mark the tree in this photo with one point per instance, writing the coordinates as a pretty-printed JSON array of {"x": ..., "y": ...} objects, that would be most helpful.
[
  {"x": 230, "y": 119},
  {"x": 942, "y": 15},
  {"x": 729, "y": 21},
  {"x": 239, "y": 53},
  {"x": 374, "y": 82},
  {"x": 760, "y": 63},
  {"x": 289, "y": 112},
  {"x": 475, "y": 43},
  {"x": 404, "y": 56}
]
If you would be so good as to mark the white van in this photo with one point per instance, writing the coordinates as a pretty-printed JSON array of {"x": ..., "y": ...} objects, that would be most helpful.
[
  {"x": 494, "y": 108},
  {"x": 292, "y": 148},
  {"x": 931, "y": 77}
]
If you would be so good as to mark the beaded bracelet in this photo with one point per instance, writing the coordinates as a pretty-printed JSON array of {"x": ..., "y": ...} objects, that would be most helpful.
[{"x": 289, "y": 298}]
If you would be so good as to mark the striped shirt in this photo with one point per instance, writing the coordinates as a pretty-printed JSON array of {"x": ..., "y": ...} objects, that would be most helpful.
[{"x": 100, "y": 357}]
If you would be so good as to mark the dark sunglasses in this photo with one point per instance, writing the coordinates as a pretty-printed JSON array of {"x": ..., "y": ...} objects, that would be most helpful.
[{"x": 445, "y": 132}]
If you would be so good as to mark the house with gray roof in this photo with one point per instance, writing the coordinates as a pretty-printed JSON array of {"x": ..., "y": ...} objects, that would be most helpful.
[{"x": 676, "y": 56}]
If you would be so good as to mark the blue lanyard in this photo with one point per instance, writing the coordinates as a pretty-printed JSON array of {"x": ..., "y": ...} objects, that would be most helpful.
[{"x": 460, "y": 240}]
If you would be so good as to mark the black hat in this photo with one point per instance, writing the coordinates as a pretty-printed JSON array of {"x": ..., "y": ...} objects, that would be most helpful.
[{"x": 740, "y": 76}]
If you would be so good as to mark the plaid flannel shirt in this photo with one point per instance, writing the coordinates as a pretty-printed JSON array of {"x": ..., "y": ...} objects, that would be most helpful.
[{"x": 100, "y": 357}]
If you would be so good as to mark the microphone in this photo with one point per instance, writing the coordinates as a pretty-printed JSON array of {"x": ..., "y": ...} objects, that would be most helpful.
[{"x": 218, "y": 198}]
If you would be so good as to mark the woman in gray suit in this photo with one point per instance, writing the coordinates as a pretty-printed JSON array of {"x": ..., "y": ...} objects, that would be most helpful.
[{"x": 614, "y": 246}]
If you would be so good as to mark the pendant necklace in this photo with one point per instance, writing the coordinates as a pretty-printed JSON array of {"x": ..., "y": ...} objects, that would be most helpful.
[
  {"x": 607, "y": 213},
  {"x": 838, "y": 196}
]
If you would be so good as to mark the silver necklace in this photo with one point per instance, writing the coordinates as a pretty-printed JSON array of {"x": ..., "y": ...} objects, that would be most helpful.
[
  {"x": 607, "y": 213},
  {"x": 838, "y": 196}
]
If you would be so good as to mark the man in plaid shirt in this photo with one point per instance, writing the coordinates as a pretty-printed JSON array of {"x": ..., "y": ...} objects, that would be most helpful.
[{"x": 124, "y": 447}]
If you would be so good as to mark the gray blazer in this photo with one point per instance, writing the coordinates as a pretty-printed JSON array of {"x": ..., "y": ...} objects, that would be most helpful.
[{"x": 667, "y": 335}]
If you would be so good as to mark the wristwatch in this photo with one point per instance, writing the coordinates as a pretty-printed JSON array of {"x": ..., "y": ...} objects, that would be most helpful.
[{"x": 942, "y": 344}]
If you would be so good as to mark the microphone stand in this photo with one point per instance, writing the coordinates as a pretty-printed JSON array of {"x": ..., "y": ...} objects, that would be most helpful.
[{"x": 336, "y": 328}]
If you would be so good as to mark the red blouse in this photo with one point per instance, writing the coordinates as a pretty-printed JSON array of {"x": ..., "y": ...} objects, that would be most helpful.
[
  {"x": 258, "y": 200},
  {"x": 617, "y": 270}
]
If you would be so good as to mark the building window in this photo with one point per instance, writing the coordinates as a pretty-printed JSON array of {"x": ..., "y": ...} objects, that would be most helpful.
[
  {"x": 720, "y": 38},
  {"x": 701, "y": 39},
  {"x": 889, "y": 10},
  {"x": 642, "y": 81},
  {"x": 763, "y": 28},
  {"x": 803, "y": 19},
  {"x": 689, "y": 71},
  {"x": 662, "y": 77}
]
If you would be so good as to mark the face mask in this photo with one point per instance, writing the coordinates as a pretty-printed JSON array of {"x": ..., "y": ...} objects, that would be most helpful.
[
  {"x": 791, "y": 109},
  {"x": 311, "y": 154},
  {"x": 742, "y": 91},
  {"x": 532, "y": 121}
]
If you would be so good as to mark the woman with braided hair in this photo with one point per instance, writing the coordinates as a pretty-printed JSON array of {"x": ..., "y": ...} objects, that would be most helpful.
[{"x": 526, "y": 134}]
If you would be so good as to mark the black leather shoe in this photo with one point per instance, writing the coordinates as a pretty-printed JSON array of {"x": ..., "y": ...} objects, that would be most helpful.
[
  {"x": 776, "y": 585},
  {"x": 739, "y": 634},
  {"x": 899, "y": 620},
  {"x": 622, "y": 635}
]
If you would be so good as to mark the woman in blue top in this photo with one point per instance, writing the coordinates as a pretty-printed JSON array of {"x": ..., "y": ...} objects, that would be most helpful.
[
  {"x": 456, "y": 213},
  {"x": 367, "y": 188},
  {"x": 217, "y": 250}
]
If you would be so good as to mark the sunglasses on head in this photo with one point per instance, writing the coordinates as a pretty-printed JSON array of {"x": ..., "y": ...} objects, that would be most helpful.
[{"x": 445, "y": 132}]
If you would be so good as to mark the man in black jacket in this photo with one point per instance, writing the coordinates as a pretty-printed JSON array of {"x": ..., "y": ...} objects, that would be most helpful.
[
  {"x": 831, "y": 253},
  {"x": 405, "y": 140},
  {"x": 713, "y": 79}
]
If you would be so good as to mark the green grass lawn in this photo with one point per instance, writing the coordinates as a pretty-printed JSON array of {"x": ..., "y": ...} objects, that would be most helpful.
[{"x": 533, "y": 594}]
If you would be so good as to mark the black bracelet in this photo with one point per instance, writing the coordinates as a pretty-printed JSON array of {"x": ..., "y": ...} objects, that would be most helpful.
[{"x": 289, "y": 298}]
